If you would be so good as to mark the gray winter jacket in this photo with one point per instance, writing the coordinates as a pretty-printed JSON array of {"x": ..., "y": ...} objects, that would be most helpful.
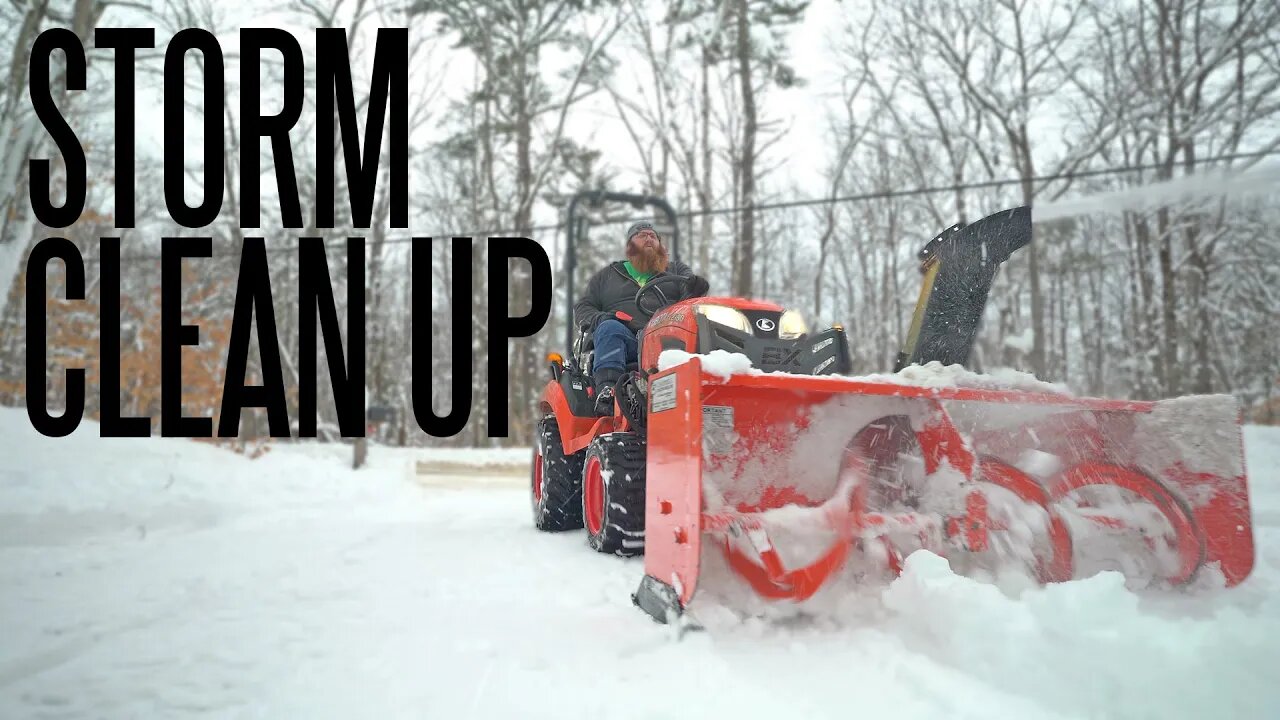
[{"x": 611, "y": 290}]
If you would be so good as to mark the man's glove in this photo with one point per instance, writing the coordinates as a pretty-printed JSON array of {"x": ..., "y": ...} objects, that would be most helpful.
[{"x": 696, "y": 287}]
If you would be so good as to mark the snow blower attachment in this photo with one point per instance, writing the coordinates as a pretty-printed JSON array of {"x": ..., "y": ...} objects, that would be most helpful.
[{"x": 777, "y": 487}]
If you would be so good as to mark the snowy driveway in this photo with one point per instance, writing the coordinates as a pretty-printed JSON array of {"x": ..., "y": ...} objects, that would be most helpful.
[{"x": 166, "y": 579}]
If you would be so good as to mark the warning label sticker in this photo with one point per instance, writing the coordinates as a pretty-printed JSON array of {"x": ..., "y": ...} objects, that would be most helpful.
[
  {"x": 662, "y": 394},
  {"x": 717, "y": 429},
  {"x": 717, "y": 416}
]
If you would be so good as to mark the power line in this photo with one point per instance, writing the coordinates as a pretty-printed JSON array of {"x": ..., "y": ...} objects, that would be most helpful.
[
  {"x": 886, "y": 194},
  {"x": 860, "y": 197}
]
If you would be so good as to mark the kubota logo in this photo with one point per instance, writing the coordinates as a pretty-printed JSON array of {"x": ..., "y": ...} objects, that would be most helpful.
[{"x": 765, "y": 324}]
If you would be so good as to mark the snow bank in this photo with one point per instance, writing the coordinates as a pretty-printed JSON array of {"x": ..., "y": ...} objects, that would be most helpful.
[
  {"x": 1088, "y": 648},
  {"x": 139, "y": 478}
]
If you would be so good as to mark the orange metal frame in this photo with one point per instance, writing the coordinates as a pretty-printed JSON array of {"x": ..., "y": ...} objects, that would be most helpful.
[{"x": 577, "y": 431}]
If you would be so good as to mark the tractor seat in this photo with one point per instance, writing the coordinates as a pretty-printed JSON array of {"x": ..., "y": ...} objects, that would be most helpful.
[{"x": 585, "y": 353}]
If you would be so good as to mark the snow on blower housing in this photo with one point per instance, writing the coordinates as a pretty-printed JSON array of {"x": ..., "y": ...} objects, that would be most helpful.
[{"x": 745, "y": 465}]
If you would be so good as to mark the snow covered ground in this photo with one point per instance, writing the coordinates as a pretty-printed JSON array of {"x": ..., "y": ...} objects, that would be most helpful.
[{"x": 163, "y": 578}]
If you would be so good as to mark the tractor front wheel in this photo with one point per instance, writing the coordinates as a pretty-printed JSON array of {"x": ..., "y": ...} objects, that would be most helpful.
[
  {"x": 556, "y": 481},
  {"x": 613, "y": 494}
]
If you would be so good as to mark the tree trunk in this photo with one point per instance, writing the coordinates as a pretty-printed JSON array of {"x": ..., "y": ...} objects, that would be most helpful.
[
  {"x": 704, "y": 192},
  {"x": 1168, "y": 306},
  {"x": 1037, "y": 359},
  {"x": 520, "y": 294},
  {"x": 745, "y": 242}
]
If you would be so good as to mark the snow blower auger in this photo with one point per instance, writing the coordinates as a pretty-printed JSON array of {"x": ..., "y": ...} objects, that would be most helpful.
[{"x": 769, "y": 476}]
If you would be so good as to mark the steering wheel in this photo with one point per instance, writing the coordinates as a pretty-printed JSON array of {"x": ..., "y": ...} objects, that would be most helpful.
[{"x": 663, "y": 290}]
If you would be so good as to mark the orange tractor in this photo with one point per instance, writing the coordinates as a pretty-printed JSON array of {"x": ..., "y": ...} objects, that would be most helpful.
[{"x": 746, "y": 465}]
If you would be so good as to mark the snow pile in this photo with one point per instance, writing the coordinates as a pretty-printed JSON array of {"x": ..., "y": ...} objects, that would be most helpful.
[
  {"x": 725, "y": 364},
  {"x": 720, "y": 363},
  {"x": 936, "y": 375},
  {"x": 1200, "y": 432},
  {"x": 1088, "y": 648},
  {"x": 85, "y": 480}
]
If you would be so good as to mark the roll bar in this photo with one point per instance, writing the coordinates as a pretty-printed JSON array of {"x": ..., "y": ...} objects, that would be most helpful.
[{"x": 595, "y": 199}]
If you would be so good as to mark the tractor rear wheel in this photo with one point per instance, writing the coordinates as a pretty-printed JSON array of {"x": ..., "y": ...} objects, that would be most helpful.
[
  {"x": 556, "y": 481},
  {"x": 613, "y": 494}
]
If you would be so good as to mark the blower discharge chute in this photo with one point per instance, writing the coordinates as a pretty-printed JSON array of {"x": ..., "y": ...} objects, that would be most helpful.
[{"x": 747, "y": 466}]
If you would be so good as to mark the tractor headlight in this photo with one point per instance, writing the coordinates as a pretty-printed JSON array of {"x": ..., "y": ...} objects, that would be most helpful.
[
  {"x": 791, "y": 325},
  {"x": 725, "y": 316}
]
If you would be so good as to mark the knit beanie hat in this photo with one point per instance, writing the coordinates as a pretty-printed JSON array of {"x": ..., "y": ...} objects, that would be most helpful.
[{"x": 642, "y": 225}]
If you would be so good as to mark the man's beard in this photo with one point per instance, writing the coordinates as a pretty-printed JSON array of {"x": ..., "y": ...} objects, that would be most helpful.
[{"x": 649, "y": 259}]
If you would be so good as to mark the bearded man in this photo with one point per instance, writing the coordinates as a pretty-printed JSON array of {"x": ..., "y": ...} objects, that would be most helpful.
[{"x": 607, "y": 308}]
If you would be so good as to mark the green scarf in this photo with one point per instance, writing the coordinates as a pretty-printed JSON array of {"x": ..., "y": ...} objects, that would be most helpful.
[{"x": 639, "y": 277}]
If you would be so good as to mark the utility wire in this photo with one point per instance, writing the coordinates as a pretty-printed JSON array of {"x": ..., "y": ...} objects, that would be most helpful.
[{"x": 860, "y": 197}]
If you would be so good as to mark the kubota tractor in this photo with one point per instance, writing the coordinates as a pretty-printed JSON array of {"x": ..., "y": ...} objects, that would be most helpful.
[{"x": 768, "y": 468}]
